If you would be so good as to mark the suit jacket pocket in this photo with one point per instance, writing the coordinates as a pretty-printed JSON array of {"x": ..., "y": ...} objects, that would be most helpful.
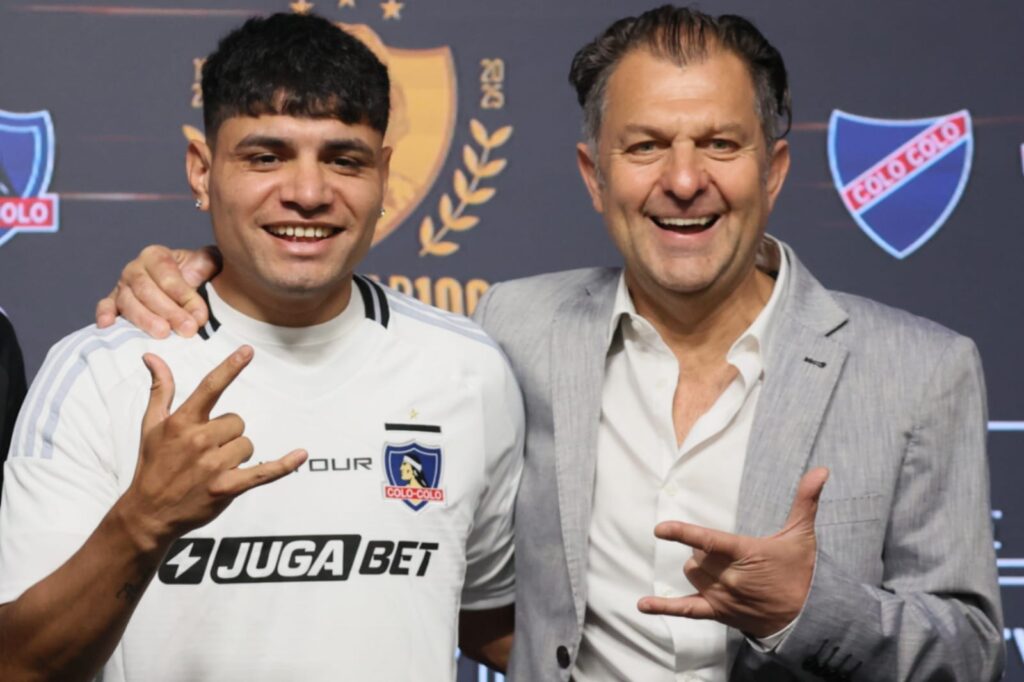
[{"x": 857, "y": 509}]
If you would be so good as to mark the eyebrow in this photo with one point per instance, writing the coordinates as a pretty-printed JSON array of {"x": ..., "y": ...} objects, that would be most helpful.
[
  {"x": 336, "y": 146},
  {"x": 645, "y": 129}
]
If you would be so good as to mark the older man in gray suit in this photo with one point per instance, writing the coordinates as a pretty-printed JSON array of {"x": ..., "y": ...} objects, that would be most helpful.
[{"x": 707, "y": 391}]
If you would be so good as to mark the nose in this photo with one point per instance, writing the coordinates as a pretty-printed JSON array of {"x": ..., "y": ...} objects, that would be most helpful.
[
  {"x": 306, "y": 187},
  {"x": 684, "y": 174}
]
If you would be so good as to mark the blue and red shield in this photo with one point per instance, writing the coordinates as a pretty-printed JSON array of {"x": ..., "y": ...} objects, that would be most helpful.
[
  {"x": 414, "y": 474},
  {"x": 26, "y": 165},
  {"x": 900, "y": 179}
]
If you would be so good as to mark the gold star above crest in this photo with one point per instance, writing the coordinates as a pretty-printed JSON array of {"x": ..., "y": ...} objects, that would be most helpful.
[
  {"x": 392, "y": 9},
  {"x": 301, "y": 7},
  {"x": 346, "y": 3},
  {"x": 413, "y": 413}
]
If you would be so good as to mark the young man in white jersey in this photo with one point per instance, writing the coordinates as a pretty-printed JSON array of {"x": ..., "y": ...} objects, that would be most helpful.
[{"x": 139, "y": 558}]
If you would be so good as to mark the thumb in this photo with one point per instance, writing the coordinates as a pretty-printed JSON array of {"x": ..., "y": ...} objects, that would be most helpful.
[
  {"x": 198, "y": 266},
  {"x": 161, "y": 392},
  {"x": 805, "y": 504}
]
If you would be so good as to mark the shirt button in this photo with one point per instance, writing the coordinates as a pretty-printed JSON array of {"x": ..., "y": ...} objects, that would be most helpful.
[
  {"x": 671, "y": 490},
  {"x": 562, "y": 654}
]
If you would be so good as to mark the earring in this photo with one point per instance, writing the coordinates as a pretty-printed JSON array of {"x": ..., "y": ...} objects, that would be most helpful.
[
  {"x": 383, "y": 212},
  {"x": 199, "y": 204}
]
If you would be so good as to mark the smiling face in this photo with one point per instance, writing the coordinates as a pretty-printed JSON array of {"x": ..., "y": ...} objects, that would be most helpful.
[
  {"x": 682, "y": 175},
  {"x": 293, "y": 202}
]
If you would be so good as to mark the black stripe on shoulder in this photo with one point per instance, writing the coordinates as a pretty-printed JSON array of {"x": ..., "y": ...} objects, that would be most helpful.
[
  {"x": 364, "y": 292},
  {"x": 375, "y": 302},
  {"x": 213, "y": 324},
  {"x": 382, "y": 298}
]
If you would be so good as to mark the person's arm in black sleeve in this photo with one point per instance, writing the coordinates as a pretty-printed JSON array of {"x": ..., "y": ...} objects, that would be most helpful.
[{"x": 12, "y": 385}]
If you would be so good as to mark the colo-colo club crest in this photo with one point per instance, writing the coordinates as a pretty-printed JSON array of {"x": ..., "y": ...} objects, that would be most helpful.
[
  {"x": 900, "y": 179},
  {"x": 414, "y": 474},
  {"x": 26, "y": 164}
]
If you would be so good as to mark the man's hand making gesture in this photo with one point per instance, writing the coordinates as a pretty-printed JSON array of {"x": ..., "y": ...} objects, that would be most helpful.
[
  {"x": 66, "y": 625},
  {"x": 189, "y": 465},
  {"x": 756, "y": 585}
]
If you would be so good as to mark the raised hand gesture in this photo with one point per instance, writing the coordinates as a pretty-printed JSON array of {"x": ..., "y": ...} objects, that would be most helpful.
[
  {"x": 755, "y": 584},
  {"x": 189, "y": 465}
]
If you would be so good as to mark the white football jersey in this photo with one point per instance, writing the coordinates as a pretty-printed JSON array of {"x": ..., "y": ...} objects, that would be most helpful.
[{"x": 355, "y": 566}]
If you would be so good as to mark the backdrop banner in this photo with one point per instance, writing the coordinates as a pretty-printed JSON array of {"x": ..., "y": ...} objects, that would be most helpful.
[{"x": 905, "y": 185}]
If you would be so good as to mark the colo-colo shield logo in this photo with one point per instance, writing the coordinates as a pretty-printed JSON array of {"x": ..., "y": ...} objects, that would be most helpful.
[
  {"x": 900, "y": 179},
  {"x": 413, "y": 472},
  {"x": 26, "y": 165}
]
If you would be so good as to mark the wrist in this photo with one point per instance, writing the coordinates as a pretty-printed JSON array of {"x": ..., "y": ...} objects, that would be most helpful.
[{"x": 145, "y": 534}]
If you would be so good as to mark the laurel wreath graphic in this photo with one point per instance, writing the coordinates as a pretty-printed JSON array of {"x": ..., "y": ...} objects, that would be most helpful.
[{"x": 468, "y": 191}]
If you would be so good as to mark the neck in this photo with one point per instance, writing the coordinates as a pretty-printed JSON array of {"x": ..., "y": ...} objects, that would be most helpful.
[
  {"x": 702, "y": 326},
  {"x": 303, "y": 308}
]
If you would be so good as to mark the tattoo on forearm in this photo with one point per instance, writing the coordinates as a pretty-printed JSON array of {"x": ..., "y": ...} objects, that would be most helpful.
[{"x": 128, "y": 592}]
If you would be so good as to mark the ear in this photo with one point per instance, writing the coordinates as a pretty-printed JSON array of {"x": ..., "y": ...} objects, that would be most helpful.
[
  {"x": 585, "y": 159},
  {"x": 198, "y": 163},
  {"x": 778, "y": 169}
]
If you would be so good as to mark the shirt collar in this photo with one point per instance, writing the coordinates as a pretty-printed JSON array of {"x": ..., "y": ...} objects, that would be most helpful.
[{"x": 772, "y": 260}]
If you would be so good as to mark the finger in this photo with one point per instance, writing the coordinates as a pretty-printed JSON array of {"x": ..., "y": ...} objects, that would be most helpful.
[
  {"x": 808, "y": 493},
  {"x": 106, "y": 310},
  {"x": 705, "y": 539},
  {"x": 237, "y": 481},
  {"x": 209, "y": 390},
  {"x": 713, "y": 564},
  {"x": 156, "y": 282},
  {"x": 139, "y": 315},
  {"x": 197, "y": 267},
  {"x": 704, "y": 576},
  {"x": 236, "y": 452},
  {"x": 224, "y": 429},
  {"x": 161, "y": 391},
  {"x": 693, "y": 606}
]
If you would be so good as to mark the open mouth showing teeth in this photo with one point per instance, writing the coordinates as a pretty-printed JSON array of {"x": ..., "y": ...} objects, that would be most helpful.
[
  {"x": 297, "y": 233},
  {"x": 686, "y": 225}
]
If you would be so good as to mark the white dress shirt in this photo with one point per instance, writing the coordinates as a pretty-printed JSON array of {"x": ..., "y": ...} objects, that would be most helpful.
[{"x": 643, "y": 477}]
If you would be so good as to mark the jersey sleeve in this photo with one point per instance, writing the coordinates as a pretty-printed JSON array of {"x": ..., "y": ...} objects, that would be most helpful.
[
  {"x": 61, "y": 474},
  {"x": 490, "y": 572}
]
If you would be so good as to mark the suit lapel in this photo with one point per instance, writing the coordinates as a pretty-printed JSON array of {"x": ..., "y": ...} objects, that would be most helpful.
[
  {"x": 803, "y": 363},
  {"x": 802, "y": 366},
  {"x": 578, "y": 353}
]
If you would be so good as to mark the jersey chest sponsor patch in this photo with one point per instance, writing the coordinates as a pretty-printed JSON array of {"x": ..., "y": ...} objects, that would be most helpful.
[
  {"x": 900, "y": 179},
  {"x": 292, "y": 558}
]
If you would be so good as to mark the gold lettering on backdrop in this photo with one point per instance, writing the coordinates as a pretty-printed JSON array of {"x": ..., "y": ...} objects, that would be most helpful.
[
  {"x": 492, "y": 82},
  {"x": 446, "y": 293},
  {"x": 197, "y": 82}
]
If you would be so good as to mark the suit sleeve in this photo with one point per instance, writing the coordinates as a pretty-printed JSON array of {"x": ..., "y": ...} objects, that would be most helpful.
[
  {"x": 490, "y": 571},
  {"x": 936, "y": 614}
]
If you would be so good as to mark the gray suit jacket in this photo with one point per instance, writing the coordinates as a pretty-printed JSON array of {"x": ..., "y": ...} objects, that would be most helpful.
[{"x": 905, "y": 582}]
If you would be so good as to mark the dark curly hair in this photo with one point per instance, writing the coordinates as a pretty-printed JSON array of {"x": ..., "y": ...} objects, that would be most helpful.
[{"x": 296, "y": 65}]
